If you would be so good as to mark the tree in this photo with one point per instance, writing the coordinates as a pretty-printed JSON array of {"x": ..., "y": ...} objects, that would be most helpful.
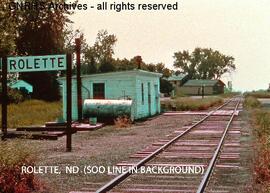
[
  {"x": 99, "y": 57},
  {"x": 104, "y": 45},
  {"x": 7, "y": 34},
  {"x": 166, "y": 72},
  {"x": 41, "y": 32},
  {"x": 124, "y": 64},
  {"x": 7, "y": 30},
  {"x": 70, "y": 35},
  {"x": 203, "y": 63},
  {"x": 106, "y": 65},
  {"x": 151, "y": 67},
  {"x": 165, "y": 86},
  {"x": 89, "y": 65}
]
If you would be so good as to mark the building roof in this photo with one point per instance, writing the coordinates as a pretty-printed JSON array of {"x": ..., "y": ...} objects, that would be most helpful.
[
  {"x": 19, "y": 82},
  {"x": 130, "y": 72},
  {"x": 177, "y": 77},
  {"x": 202, "y": 82}
]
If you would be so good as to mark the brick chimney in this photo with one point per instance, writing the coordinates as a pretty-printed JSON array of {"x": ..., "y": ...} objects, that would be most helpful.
[{"x": 139, "y": 62}]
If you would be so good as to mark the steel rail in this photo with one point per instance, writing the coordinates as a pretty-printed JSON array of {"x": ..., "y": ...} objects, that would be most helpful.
[
  {"x": 120, "y": 178},
  {"x": 212, "y": 163}
]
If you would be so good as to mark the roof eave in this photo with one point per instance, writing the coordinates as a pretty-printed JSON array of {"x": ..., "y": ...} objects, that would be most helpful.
[{"x": 137, "y": 71}]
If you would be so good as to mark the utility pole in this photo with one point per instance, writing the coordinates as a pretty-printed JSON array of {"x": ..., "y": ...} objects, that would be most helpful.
[
  {"x": 79, "y": 80},
  {"x": 69, "y": 103},
  {"x": 203, "y": 90}
]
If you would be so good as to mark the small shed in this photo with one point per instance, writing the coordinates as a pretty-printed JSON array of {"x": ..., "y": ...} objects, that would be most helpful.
[
  {"x": 142, "y": 87},
  {"x": 22, "y": 86},
  {"x": 195, "y": 87},
  {"x": 177, "y": 80}
]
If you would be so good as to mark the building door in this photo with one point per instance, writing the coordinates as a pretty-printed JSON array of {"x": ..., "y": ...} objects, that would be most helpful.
[
  {"x": 149, "y": 98},
  {"x": 98, "y": 90},
  {"x": 156, "y": 98}
]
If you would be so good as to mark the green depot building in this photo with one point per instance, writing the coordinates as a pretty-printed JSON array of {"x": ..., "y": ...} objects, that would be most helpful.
[
  {"x": 194, "y": 87},
  {"x": 137, "y": 87}
]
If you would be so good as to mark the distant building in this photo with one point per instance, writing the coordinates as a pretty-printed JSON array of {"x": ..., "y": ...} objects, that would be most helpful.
[
  {"x": 177, "y": 80},
  {"x": 195, "y": 87},
  {"x": 22, "y": 86},
  {"x": 142, "y": 87}
]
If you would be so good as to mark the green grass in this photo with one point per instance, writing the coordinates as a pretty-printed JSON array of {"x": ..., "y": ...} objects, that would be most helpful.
[
  {"x": 259, "y": 94},
  {"x": 251, "y": 102},
  {"x": 32, "y": 112},
  {"x": 15, "y": 152},
  {"x": 186, "y": 103},
  {"x": 262, "y": 121},
  {"x": 178, "y": 93},
  {"x": 261, "y": 124},
  {"x": 12, "y": 157}
]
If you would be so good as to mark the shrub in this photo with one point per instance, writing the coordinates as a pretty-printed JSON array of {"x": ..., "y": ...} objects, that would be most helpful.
[
  {"x": 258, "y": 94},
  {"x": 262, "y": 167},
  {"x": 122, "y": 122},
  {"x": 165, "y": 86},
  {"x": 252, "y": 102},
  {"x": 14, "y": 96},
  {"x": 262, "y": 122},
  {"x": 12, "y": 157},
  {"x": 187, "y": 104}
]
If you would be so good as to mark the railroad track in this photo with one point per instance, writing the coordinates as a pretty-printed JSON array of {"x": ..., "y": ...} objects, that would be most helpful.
[{"x": 211, "y": 145}]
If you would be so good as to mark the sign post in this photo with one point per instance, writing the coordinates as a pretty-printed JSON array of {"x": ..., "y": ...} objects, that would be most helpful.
[
  {"x": 69, "y": 102},
  {"x": 36, "y": 64},
  {"x": 4, "y": 97},
  {"x": 79, "y": 81}
]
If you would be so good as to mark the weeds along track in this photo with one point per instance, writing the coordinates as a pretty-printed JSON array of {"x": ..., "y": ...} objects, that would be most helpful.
[{"x": 210, "y": 145}]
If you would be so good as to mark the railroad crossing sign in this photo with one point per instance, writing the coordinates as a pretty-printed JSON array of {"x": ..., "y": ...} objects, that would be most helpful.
[{"x": 35, "y": 64}]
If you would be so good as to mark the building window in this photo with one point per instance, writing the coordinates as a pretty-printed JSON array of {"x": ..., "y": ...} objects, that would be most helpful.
[
  {"x": 142, "y": 93},
  {"x": 98, "y": 91}
]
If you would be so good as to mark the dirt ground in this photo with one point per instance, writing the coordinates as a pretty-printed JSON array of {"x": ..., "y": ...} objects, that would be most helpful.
[
  {"x": 109, "y": 146},
  {"x": 105, "y": 147}
]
